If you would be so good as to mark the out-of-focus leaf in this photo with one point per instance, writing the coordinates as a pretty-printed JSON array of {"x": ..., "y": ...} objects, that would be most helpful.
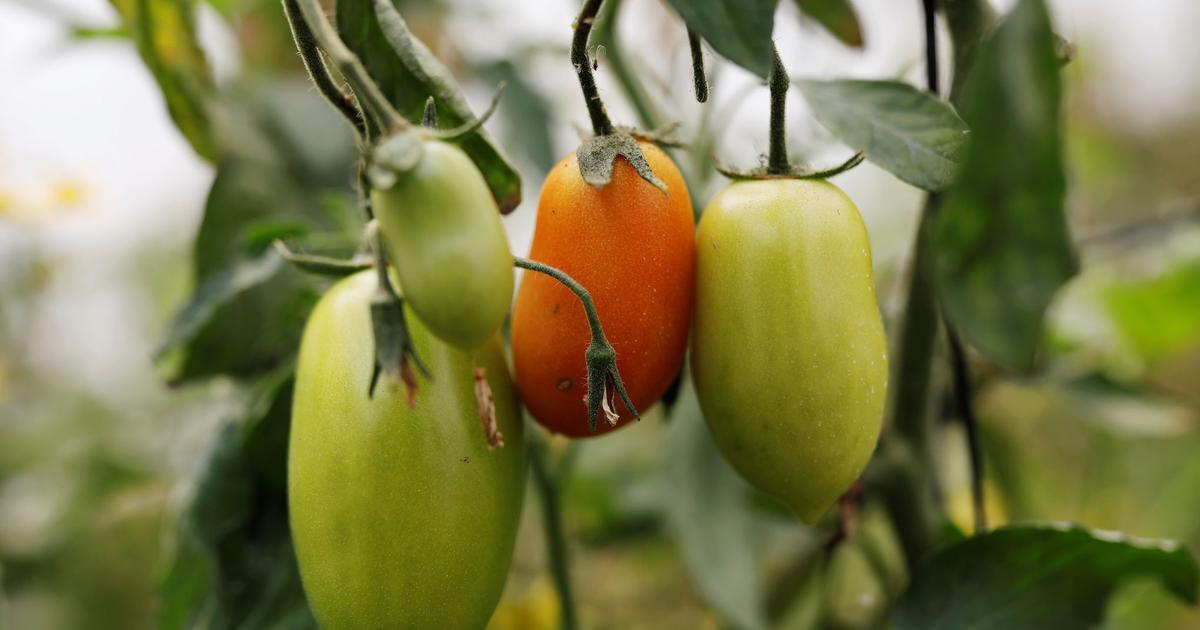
[
  {"x": 1001, "y": 248},
  {"x": 411, "y": 75},
  {"x": 529, "y": 117},
  {"x": 708, "y": 512},
  {"x": 234, "y": 566},
  {"x": 740, "y": 30},
  {"x": 166, "y": 40},
  {"x": 247, "y": 312},
  {"x": 838, "y": 17},
  {"x": 1037, "y": 577},
  {"x": 1159, "y": 317},
  {"x": 913, "y": 134}
]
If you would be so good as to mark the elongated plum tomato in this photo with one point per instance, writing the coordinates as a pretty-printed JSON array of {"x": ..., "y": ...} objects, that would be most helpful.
[
  {"x": 631, "y": 246},
  {"x": 788, "y": 351},
  {"x": 402, "y": 518},
  {"x": 443, "y": 231}
]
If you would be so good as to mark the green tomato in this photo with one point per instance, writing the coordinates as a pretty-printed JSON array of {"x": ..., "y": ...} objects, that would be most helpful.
[
  {"x": 444, "y": 234},
  {"x": 788, "y": 351},
  {"x": 402, "y": 518},
  {"x": 854, "y": 596}
]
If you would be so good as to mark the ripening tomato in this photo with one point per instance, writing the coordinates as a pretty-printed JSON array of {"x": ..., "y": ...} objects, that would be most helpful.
[
  {"x": 402, "y": 518},
  {"x": 444, "y": 235},
  {"x": 788, "y": 351},
  {"x": 631, "y": 246}
]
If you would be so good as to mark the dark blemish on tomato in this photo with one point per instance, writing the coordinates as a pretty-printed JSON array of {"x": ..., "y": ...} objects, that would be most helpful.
[
  {"x": 562, "y": 384},
  {"x": 466, "y": 460},
  {"x": 555, "y": 311}
]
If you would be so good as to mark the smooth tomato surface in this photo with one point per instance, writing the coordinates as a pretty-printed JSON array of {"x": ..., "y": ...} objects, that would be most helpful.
[
  {"x": 788, "y": 352},
  {"x": 445, "y": 237},
  {"x": 401, "y": 517},
  {"x": 632, "y": 248}
]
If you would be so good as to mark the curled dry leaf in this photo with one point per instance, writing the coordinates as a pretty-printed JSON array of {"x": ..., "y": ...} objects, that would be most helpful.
[{"x": 487, "y": 410}]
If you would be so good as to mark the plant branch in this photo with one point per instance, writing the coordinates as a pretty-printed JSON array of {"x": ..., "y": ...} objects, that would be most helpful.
[
  {"x": 372, "y": 99},
  {"x": 966, "y": 413},
  {"x": 777, "y": 160},
  {"x": 601, "y": 125},
  {"x": 699, "y": 80},
  {"x": 549, "y": 489},
  {"x": 338, "y": 96},
  {"x": 931, "y": 50}
]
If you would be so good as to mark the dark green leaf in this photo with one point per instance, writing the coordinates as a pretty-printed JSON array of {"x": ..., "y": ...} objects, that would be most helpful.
[
  {"x": 234, "y": 566},
  {"x": 409, "y": 76},
  {"x": 740, "y": 30},
  {"x": 1001, "y": 248},
  {"x": 911, "y": 133},
  {"x": 166, "y": 40},
  {"x": 1034, "y": 577},
  {"x": 838, "y": 17},
  {"x": 708, "y": 512}
]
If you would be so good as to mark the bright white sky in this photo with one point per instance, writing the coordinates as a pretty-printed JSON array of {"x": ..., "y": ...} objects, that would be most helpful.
[{"x": 85, "y": 121}]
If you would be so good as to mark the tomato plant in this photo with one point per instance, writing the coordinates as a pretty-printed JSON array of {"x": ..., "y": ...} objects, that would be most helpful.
[
  {"x": 443, "y": 230},
  {"x": 795, "y": 399},
  {"x": 401, "y": 517},
  {"x": 632, "y": 246}
]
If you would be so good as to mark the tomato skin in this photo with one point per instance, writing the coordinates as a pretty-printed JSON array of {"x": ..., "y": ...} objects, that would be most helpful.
[
  {"x": 445, "y": 237},
  {"x": 788, "y": 350},
  {"x": 632, "y": 248},
  {"x": 401, "y": 517}
]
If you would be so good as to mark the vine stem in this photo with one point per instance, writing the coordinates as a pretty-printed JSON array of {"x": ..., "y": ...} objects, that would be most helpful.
[
  {"x": 777, "y": 159},
  {"x": 341, "y": 99},
  {"x": 601, "y": 125},
  {"x": 345, "y": 61},
  {"x": 549, "y": 484},
  {"x": 700, "y": 82}
]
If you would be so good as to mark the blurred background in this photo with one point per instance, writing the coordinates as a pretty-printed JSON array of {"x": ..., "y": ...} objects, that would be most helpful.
[{"x": 101, "y": 198}]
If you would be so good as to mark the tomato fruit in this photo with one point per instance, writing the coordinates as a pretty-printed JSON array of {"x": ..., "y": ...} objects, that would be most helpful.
[
  {"x": 631, "y": 246},
  {"x": 402, "y": 518},
  {"x": 445, "y": 237},
  {"x": 788, "y": 351}
]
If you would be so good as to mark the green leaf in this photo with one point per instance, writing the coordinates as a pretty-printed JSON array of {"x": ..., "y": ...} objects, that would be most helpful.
[
  {"x": 1001, "y": 248},
  {"x": 1159, "y": 317},
  {"x": 166, "y": 40},
  {"x": 838, "y": 17},
  {"x": 527, "y": 115},
  {"x": 1035, "y": 577},
  {"x": 911, "y": 133},
  {"x": 411, "y": 74},
  {"x": 740, "y": 30},
  {"x": 708, "y": 513},
  {"x": 233, "y": 565}
]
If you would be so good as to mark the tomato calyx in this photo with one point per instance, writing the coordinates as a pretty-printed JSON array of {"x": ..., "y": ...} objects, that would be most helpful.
[
  {"x": 792, "y": 172},
  {"x": 320, "y": 265},
  {"x": 597, "y": 154},
  {"x": 603, "y": 378},
  {"x": 395, "y": 353}
]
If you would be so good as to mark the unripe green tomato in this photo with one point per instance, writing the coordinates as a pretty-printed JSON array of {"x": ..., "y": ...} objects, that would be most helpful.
[
  {"x": 854, "y": 596},
  {"x": 401, "y": 518},
  {"x": 444, "y": 234},
  {"x": 788, "y": 351}
]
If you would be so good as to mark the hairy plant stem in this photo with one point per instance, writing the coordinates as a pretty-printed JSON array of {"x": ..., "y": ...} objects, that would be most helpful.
[
  {"x": 549, "y": 483},
  {"x": 344, "y": 60},
  {"x": 310, "y": 53},
  {"x": 605, "y": 32},
  {"x": 777, "y": 159},
  {"x": 909, "y": 484},
  {"x": 699, "y": 81},
  {"x": 601, "y": 125}
]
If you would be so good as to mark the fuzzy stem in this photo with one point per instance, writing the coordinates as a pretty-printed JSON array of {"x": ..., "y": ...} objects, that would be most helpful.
[
  {"x": 341, "y": 98},
  {"x": 601, "y": 125},
  {"x": 549, "y": 489},
  {"x": 700, "y": 81},
  {"x": 589, "y": 307},
  {"x": 777, "y": 160},
  {"x": 373, "y": 100}
]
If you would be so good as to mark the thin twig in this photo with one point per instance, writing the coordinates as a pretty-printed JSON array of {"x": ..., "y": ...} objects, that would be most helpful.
[{"x": 601, "y": 125}]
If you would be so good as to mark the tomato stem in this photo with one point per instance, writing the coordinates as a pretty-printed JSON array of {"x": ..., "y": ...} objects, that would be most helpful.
[
  {"x": 549, "y": 484},
  {"x": 698, "y": 79},
  {"x": 429, "y": 116},
  {"x": 777, "y": 159},
  {"x": 600, "y": 356},
  {"x": 601, "y": 125},
  {"x": 340, "y": 97},
  {"x": 347, "y": 63}
]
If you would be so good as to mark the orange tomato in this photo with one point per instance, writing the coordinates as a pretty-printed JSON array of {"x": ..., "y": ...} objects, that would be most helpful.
[{"x": 632, "y": 247}]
